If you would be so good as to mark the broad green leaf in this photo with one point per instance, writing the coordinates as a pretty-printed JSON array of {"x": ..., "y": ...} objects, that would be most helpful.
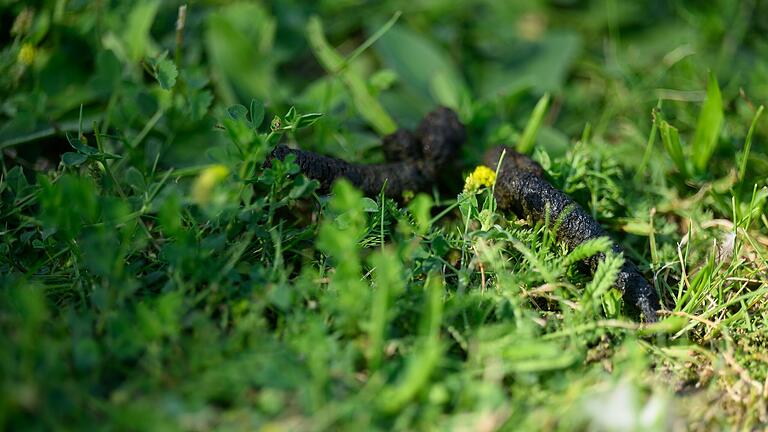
[
  {"x": 166, "y": 74},
  {"x": 708, "y": 126},
  {"x": 369, "y": 205},
  {"x": 198, "y": 104},
  {"x": 73, "y": 159},
  {"x": 542, "y": 65},
  {"x": 257, "y": 113},
  {"x": 237, "y": 112},
  {"x": 528, "y": 138},
  {"x": 135, "y": 179},
  {"x": 424, "y": 68},
  {"x": 306, "y": 120},
  {"x": 15, "y": 180},
  {"x": 81, "y": 147}
]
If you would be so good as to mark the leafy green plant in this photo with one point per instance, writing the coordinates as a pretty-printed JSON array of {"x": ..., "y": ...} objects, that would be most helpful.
[{"x": 706, "y": 135}]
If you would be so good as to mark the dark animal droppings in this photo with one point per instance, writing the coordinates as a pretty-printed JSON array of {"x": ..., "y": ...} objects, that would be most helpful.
[
  {"x": 416, "y": 161},
  {"x": 522, "y": 188}
]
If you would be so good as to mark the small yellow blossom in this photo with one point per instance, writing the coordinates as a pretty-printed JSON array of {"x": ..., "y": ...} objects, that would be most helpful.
[
  {"x": 481, "y": 177},
  {"x": 27, "y": 54},
  {"x": 206, "y": 181}
]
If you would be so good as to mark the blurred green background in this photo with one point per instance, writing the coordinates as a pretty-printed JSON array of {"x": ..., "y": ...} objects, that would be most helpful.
[{"x": 604, "y": 62}]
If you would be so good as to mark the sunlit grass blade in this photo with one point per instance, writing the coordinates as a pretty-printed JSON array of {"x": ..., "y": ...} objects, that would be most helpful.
[
  {"x": 528, "y": 138},
  {"x": 374, "y": 37},
  {"x": 708, "y": 126}
]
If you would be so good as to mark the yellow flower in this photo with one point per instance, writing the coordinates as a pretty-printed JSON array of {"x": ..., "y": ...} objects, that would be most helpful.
[
  {"x": 27, "y": 54},
  {"x": 481, "y": 177},
  {"x": 206, "y": 181}
]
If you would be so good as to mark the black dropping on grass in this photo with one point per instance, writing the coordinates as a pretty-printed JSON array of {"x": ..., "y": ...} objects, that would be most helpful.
[
  {"x": 416, "y": 160},
  {"x": 522, "y": 188}
]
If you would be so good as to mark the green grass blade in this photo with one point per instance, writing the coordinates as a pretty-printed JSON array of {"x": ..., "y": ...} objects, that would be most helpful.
[
  {"x": 374, "y": 37},
  {"x": 366, "y": 104},
  {"x": 650, "y": 144},
  {"x": 528, "y": 138},
  {"x": 708, "y": 126},
  {"x": 748, "y": 143},
  {"x": 671, "y": 139}
]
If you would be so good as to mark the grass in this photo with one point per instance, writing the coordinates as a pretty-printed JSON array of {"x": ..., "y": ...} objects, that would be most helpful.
[{"x": 155, "y": 276}]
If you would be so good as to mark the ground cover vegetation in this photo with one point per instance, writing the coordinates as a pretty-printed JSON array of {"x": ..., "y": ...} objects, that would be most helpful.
[{"x": 161, "y": 269}]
